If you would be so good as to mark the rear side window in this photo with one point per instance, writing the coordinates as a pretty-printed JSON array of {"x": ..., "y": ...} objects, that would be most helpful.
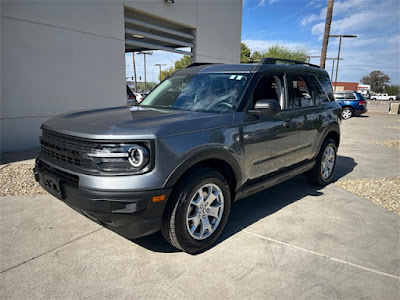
[
  {"x": 302, "y": 92},
  {"x": 327, "y": 85},
  {"x": 350, "y": 96},
  {"x": 339, "y": 96}
]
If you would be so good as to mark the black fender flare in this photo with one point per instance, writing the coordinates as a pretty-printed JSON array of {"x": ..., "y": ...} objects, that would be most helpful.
[
  {"x": 333, "y": 127},
  {"x": 199, "y": 155}
]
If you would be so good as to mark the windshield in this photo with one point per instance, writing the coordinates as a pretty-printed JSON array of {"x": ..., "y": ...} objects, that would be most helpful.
[{"x": 202, "y": 92}]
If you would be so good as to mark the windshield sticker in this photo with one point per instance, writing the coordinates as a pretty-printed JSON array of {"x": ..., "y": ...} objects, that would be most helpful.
[
  {"x": 239, "y": 77},
  {"x": 232, "y": 77}
]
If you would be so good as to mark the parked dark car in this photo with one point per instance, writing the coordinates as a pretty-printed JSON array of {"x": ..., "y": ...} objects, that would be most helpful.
[
  {"x": 202, "y": 139},
  {"x": 352, "y": 103}
]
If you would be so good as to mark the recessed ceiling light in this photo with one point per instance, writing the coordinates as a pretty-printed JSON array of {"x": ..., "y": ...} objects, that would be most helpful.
[{"x": 138, "y": 36}]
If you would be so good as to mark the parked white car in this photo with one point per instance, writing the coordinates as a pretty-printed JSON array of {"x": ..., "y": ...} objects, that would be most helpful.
[
  {"x": 139, "y": 97},
  {"x": 383, "y": 97}
]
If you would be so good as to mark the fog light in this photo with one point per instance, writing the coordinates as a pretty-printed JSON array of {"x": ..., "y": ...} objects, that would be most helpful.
[{"x": 129, "y": 208}]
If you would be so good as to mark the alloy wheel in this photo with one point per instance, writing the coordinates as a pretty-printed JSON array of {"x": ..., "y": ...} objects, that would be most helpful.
[{"x": 205, "y": 211}]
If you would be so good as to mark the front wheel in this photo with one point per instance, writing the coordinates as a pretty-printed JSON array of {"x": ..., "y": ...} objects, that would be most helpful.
[
  {"x": 197, "y": 211},
  {"x": 321, "y": 174}
]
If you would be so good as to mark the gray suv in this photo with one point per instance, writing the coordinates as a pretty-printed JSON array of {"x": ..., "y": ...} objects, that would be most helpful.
[{"x": 203, "y": 138}]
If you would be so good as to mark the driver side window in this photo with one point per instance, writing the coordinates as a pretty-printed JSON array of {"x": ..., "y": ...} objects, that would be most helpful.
[{"x": 270, "y": 87}]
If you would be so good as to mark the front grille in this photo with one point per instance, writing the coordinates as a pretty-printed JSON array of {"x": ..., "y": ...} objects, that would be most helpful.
[{"x": 67, "y": 151}]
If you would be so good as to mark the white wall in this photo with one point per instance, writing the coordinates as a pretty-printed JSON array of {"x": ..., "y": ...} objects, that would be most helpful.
[
  {"x": 219, "y": 27},
  {"x": 57, "y": 56}
]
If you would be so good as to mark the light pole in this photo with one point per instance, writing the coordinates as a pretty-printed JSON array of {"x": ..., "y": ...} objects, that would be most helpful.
[
  {"x": 170, "y": 60},
  {"x": 333, "y": 64},
  {"x": 144, "y": 57},
  {"x": 134, "y": 70},
  {"x": 160, "y": 68},
  {"x": 313, "y": 56},
  {"x": 340, "y": 36}
]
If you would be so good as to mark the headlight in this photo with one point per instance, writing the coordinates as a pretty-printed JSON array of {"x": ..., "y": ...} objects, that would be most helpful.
[{"x": 121, "y": 158}]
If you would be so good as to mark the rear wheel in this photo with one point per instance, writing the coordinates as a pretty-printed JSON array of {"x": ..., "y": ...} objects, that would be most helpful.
[
  {"x": 347, "y": 113},
  {"x": 322, "y": 173},
  {"x": 197, "y": 211}
]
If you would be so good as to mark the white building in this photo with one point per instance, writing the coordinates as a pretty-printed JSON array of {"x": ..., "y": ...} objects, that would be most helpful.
[{"x": 58, "y": 56}]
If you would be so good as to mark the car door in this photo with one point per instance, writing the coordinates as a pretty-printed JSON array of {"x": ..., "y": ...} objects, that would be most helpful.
[
  {"x": 269, "y": 142},
  {"x": 311, "y": 114}
]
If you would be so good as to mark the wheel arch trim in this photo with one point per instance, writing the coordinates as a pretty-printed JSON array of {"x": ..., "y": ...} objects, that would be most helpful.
[{"x": 196, "y": 157}]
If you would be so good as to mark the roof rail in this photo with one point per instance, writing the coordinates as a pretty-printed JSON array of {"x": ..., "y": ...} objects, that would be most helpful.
[
  {"x": 272, "y": 61},
  {"x": 199, "y": 64}
]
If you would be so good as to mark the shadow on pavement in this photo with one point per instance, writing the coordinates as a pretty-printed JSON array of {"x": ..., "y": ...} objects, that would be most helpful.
[{"x": 249, "y": 210}]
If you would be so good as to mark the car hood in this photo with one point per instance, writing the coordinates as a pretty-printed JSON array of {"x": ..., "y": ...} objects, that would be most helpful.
[{"x": 134, "y": 123}]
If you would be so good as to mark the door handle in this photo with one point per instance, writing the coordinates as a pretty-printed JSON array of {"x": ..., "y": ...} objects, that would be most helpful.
[{"x": 287, "y": 123}]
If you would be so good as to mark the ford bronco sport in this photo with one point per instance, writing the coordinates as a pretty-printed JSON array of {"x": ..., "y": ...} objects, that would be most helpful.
[{"x": 206, "y": 136}]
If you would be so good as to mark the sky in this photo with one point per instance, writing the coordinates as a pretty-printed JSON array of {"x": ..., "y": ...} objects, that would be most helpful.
[{"x": 300, "y": 24}]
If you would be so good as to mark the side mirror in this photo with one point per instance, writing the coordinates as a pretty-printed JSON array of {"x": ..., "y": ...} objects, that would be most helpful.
[{"x": 266, "y": 107}]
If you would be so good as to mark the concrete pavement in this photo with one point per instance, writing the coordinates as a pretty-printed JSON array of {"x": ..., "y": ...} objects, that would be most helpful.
[{"x": 292, "y": 241}]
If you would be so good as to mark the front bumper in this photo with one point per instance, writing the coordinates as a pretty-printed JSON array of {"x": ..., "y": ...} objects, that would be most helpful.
[{"x": 131, "y": 214}]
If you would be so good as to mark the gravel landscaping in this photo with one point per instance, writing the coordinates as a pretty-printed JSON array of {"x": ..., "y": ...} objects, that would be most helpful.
[
  {"x": 382, "y": 191},
  {"x": 17, "y": 179}
]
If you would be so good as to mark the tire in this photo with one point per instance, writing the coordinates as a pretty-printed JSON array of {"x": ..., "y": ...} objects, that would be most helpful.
[
  {"x": 347, "y": 113},
  {"x": 321, "y": 174},
  {"x": 390, "y": 99},
  {"x": 187, "y": 211}
]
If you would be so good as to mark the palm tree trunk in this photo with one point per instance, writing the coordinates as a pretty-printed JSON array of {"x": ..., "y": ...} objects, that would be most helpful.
[{"x": 325, "y": 41}]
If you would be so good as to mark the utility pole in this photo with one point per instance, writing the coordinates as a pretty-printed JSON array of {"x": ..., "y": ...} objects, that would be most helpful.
[
  {"x": 340, "y": 45},
  {"x": 325, "y": 40},
  {"x": 144, "y": 57},
  {"x": 160, "y": 68},
  {"x": 134, "y": 70}
]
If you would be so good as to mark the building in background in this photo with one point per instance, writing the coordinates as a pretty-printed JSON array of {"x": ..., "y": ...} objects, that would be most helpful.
[
  {"x": 364, "y": 89},
  {"x": 58, "y": 56},
  {"x": 346, "y": 86}
]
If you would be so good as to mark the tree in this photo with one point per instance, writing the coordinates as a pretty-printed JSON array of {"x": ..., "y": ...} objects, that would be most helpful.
[
  {"x": 149, "y": 86},
  {"x": 392, "y": 89},
  {"x": 377, "y": 80},
  {"x": 165, "y": 73},
  {"x": 327, "y": 30},
  {"x": 244, "y": 54},
  {"x": 283, "y": 52},
  {"x": 179, "y": 64},
  {"x": 183, "y": 62}
]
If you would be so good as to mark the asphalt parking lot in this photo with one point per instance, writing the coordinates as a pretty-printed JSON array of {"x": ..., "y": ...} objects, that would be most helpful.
[{"x": 292, "y": 241}]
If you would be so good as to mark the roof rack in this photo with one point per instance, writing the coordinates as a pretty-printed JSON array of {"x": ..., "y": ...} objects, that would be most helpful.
[
  {"x": 199, "y": 64},
  {"x": 272, "y": 61}
]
